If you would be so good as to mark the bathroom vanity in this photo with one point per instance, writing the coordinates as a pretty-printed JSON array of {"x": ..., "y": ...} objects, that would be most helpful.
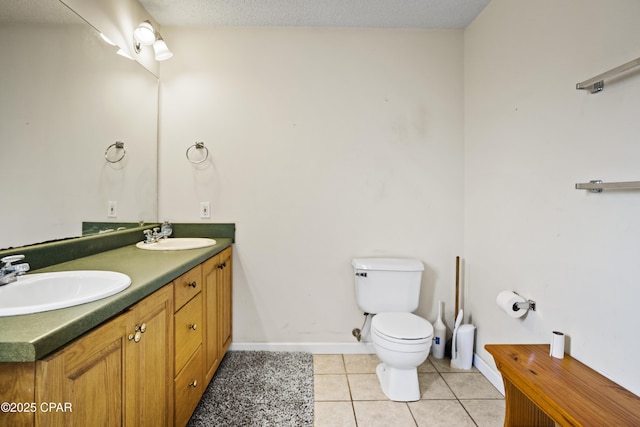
[{"x": 141, "y": 357}]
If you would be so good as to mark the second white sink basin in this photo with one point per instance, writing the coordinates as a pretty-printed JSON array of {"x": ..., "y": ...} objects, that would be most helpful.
[
  {"x": 33, "y": 293},
  {"x": 177, "y": 244}
]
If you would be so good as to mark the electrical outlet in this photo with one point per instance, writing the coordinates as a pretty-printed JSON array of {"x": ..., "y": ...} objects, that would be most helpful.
[
  {"x": 205, "y": 210},
  {"x": 112, "y": 209}
]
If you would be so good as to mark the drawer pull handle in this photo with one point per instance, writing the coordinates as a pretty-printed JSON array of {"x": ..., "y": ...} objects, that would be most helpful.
[
  {"x": 193, "y": 383},
  {"x": 192, "y": 284},
  {"x": 193, "y": 326}
]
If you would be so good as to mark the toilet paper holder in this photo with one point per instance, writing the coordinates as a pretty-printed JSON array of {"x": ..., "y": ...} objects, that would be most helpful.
[{"x": 525, "y": 305}]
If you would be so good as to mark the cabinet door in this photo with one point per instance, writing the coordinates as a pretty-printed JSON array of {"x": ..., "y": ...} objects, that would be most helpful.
[
  {"x": 118, "y": 374},
  {"x": 212, "y": 356},
  {"x": 149, "y": 380},
  {"x": 224, "y": 301},
  {"x": 17, "y": 382},
  {"x": 88, "y": 377}
]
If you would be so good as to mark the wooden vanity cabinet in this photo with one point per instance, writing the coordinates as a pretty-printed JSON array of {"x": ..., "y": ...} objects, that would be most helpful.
[
  {"x": 117, "y": 374},
  {"x": 148, "y": 366}
]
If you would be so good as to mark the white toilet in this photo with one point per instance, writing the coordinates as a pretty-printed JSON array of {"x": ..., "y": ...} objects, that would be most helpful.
[{"x": 390, "y": 289}]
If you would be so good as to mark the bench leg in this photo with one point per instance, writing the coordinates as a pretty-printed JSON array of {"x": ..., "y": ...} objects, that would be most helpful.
[{"x": 521, "y": 412}]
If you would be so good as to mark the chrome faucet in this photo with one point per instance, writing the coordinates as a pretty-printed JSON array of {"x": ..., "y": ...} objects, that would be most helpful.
[
  {"x": 9, "y": 272},
  {"x": 152, "y": 236}
]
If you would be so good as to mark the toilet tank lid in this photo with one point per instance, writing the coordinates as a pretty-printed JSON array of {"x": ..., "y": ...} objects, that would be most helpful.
[{"x": 388, "y": 264}]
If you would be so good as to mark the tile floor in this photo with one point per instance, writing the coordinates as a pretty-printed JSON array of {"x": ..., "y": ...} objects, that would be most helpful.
[{"x": 347, "y": 393}]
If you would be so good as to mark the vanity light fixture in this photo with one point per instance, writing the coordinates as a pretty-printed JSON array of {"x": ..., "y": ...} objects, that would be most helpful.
[
  {"x": 161, "y": 50},
  {"x": 146, "y": 35}
]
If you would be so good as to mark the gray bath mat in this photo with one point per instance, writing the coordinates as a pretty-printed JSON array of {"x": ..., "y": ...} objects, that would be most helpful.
[{"x": 259, "y": 388}]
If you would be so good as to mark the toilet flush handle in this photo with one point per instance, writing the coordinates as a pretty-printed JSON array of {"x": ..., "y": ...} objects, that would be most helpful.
[{"x": 361, "y": 274}]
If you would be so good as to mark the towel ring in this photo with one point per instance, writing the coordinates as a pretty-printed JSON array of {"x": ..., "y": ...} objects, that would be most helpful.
[
  {"x": 118, "y": 145},
  {"x": 197, "y": 146}
]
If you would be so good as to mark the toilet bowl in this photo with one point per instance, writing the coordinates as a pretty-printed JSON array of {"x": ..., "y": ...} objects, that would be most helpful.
[{"x": 402, "y": 342}]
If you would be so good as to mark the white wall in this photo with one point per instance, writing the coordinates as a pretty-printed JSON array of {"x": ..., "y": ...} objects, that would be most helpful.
[
  {"x": 530, "y": 136},
  {"x": 325, "y": 144}
]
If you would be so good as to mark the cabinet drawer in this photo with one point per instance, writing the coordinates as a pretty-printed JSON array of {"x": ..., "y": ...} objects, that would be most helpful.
[
  {"x": 188, "y": 390},
  {"x": 188, "y": 331},
  {"x": 187, "y": 286}
]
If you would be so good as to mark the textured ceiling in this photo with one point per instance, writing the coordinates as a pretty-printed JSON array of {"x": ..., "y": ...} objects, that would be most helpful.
[
  {"x": 433, "y": 14},
  {"x": 36, "y": 11}
]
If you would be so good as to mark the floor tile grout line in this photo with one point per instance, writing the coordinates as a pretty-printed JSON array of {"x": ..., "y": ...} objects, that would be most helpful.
[{"x": 353, "y": 408}]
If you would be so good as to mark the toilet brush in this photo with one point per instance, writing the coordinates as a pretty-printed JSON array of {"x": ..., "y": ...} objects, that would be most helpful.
[{"x": 454, "y": 348}]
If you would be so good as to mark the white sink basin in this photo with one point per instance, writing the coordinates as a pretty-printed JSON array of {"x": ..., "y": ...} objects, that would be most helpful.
[
  {"x": 177, "y": 244},
  {"x": 33, "y": 293}
]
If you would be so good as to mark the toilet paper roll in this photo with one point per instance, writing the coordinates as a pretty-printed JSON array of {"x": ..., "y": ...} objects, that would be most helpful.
[
  {"x": 506, "y": 300},
  {"x": 557, "y": 345}
]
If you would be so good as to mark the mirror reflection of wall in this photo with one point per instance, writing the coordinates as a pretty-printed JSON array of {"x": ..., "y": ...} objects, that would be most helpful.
[{"x": 66, "y": 97}]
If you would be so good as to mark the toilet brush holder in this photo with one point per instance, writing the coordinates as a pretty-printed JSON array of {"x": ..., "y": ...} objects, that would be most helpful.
[{"x": 462, "y": 348}]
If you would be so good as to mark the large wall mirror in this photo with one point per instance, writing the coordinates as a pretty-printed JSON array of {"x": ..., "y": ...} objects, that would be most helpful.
[{"x": 65, "y": 97}]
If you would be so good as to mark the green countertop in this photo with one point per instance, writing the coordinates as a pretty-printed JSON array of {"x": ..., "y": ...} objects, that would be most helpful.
[{"x": 30, "y": 337}]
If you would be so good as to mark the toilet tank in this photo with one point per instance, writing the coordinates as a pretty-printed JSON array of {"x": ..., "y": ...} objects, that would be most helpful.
[{"x": 387, "y": 284}]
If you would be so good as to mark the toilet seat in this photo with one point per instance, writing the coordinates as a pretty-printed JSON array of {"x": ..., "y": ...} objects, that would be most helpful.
[{"x": 402, "y": 328}]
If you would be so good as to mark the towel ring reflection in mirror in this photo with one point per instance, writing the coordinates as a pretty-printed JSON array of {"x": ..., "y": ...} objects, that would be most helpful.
[
  {"x": 203, "y": 154},
  {"x": 111, "y": 152}
]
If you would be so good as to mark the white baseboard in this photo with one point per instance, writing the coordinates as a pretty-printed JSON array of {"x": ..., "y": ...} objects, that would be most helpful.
[
  {"x": 311, "y": 347},
  {"x": 489, "y": 373}
]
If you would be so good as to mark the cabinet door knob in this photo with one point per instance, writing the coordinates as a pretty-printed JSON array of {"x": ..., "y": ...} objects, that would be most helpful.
[
  {"x": 193, "y": 383},
  {"x": 135, "y": 337},
  {"x": 192, "y": 284},
  {"x": 143, "y": 328},
  {"x": 193, "y": 326}
]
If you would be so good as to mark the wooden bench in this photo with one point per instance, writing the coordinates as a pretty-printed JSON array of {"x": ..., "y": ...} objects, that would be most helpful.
[{"x": 544, "y": 391}]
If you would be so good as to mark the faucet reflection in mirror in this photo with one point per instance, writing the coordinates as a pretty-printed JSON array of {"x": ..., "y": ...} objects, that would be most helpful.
[{"x": 146, "y": 35}]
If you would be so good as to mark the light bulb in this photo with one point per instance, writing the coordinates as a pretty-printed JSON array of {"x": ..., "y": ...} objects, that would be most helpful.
[
  {"x": 145, "y": 34},
  {"x": 161, "y": 50}
]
